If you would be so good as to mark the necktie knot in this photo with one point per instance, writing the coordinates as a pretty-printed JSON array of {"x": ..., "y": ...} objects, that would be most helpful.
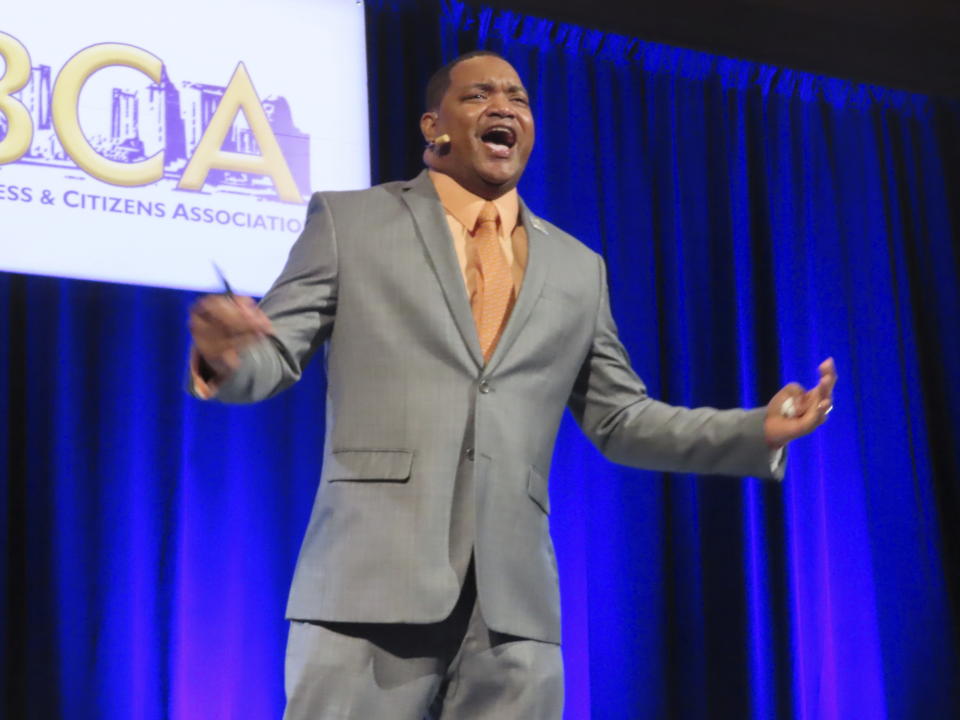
[{"x": 488, "y": 214}]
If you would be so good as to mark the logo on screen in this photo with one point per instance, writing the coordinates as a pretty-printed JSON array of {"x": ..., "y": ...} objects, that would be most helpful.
[{"x": 199, "y": 136}]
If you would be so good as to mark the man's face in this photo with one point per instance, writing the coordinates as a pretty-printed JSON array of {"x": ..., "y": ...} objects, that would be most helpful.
[{"x": 486, "y": 113}]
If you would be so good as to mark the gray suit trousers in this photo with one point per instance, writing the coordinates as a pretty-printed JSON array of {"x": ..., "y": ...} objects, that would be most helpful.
[{"x": 458, "y": 669}]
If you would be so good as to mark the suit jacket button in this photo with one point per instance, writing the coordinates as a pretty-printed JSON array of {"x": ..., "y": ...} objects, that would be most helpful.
[
  {"x": 470, "y": 454},
  {"x": 484, "y": 387}
]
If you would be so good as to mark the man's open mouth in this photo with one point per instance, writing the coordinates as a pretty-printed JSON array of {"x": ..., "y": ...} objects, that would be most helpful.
[{"x": 500, "y": 140}]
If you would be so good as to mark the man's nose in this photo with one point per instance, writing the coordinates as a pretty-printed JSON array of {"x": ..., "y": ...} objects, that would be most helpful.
[{"x": 499, "y": 107}]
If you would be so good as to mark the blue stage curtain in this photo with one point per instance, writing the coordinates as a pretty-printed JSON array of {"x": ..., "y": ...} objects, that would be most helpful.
[{"x": 754, "y": 220}]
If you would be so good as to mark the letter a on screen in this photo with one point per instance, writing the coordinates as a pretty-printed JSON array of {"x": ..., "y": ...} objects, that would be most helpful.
[{"x": 240, "y": 95}]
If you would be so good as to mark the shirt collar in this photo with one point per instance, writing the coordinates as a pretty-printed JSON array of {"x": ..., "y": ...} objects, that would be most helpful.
[{"x": 465, "y": 206}]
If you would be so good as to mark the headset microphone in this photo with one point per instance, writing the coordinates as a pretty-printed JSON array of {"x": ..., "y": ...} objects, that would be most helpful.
[{"x": 439, "y": 141}]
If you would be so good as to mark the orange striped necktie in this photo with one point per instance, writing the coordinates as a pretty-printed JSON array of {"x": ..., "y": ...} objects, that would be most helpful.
[{"x": 494, "y": 297}]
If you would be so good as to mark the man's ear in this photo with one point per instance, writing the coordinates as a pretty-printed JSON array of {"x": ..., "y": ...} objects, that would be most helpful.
[{"x": 428, "y": 126}]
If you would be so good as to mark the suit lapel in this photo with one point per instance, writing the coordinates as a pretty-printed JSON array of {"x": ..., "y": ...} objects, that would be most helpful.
[
  {"x": 533, "y": 279},
  {"x": 434, "y": 231}
]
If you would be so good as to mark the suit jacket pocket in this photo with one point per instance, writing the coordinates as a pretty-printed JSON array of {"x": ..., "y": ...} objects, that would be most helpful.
[
  {"x": 369, "y": 466},
  {"x": 537, "y": 489}
]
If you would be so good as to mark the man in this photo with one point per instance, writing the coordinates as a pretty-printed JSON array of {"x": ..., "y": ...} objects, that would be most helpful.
[{"x": 458, "y": 326}]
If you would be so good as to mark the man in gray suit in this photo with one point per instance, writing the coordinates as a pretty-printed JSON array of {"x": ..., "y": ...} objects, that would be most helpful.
[{"x": 457, "y": 327}]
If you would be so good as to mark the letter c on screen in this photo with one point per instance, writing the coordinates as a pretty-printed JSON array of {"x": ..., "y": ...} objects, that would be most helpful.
[{"x": 66, "y": 97}]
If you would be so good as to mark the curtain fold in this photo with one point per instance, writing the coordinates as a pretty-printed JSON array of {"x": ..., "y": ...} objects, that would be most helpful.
[{"x": 753, "y": 220}]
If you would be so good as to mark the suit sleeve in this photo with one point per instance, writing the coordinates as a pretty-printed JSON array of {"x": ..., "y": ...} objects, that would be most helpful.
[
  {"x": 612, "y": 407},
  {"x": 301, "y": 305}
]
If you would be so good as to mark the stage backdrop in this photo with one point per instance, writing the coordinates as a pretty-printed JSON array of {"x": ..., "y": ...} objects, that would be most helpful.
[{"x": 753, "y": 219}]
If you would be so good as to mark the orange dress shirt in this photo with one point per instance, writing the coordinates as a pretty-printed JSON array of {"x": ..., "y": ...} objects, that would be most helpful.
[{"x": 462, "y": 208}]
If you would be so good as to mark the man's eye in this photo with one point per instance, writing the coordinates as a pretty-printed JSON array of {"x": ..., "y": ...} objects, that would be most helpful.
[
  {"x": 476, "y": 96},
  {"x": 521, "y": 100}
]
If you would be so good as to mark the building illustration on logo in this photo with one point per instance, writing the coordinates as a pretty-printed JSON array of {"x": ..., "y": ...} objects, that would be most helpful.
[{"x": 162, "y": 117}]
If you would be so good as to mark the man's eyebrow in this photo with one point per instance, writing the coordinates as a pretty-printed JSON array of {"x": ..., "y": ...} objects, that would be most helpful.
[{"x": 488, "y": 86}]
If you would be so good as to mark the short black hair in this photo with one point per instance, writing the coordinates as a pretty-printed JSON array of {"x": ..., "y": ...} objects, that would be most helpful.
[{"x": 439, "y": 82}]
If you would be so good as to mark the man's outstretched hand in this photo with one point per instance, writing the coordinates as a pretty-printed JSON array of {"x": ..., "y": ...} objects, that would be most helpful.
[
  {"x": 794, "y": 412},
  {"x": 222, "y": 326}
]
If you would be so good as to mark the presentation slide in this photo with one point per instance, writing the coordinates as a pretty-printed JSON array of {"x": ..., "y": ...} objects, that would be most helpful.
[{"x": 146, "y": 143}]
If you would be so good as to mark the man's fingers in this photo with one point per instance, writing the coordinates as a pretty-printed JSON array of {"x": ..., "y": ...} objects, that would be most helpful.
[
  {"x": 215, "y": 344},
  {"x": 231, "y": 358},
  {"x": 230, "y": 315},
  {"x": 255, "y": 315},
  {"x": 786, "y": 401},
  {"x": 827, "y": 367},
  {"x": 792, "y": 389},
  {"x": 828, "y": 378},
  {"x": 794, "y": 412},
  {"x": 217, "y": 311},
  {"x": 811, "y": 399},
  {"x": 222, "y": 326},
  {"x": 820, "y": 398}
]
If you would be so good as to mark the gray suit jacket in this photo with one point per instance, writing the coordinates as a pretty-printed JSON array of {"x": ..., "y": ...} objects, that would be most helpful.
[{"x": 411, "y": 406}]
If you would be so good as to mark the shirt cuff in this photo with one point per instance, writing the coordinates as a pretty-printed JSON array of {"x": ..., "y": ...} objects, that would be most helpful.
[
  {"x": 776, "y": 459},
  {"x": 203, "y": 385}
]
